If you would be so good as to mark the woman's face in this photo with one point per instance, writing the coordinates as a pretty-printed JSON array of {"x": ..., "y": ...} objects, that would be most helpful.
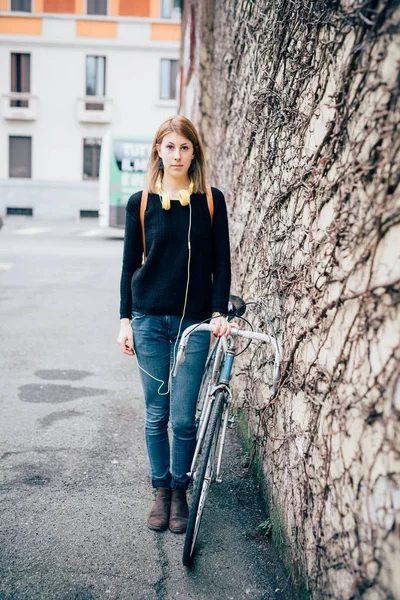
[{"x": 177, "y": 153}]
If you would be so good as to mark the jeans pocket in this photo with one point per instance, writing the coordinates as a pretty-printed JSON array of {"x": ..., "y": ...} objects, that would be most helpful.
[{"x": 137, "y": 315}]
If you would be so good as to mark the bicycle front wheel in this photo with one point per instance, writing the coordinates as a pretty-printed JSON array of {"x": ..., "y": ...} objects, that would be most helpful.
[{"x": 203, "y": 478}]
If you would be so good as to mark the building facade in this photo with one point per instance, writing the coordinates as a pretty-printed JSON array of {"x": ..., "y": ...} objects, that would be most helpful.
[{"x": 71, "y": 71}]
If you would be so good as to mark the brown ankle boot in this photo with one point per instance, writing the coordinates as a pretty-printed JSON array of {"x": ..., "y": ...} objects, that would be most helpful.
[
  {"x": 178, "y": 516},
  {"x": 159, "y": 515}
]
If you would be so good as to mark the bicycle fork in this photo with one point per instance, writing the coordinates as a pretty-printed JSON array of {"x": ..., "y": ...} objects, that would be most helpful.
[
  {"x": 224, "y": 385},
  {"x": 225, "y": 417}
]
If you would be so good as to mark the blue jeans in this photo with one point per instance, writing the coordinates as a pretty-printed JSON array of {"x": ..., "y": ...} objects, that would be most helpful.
[{"x": 168, "y": 397}]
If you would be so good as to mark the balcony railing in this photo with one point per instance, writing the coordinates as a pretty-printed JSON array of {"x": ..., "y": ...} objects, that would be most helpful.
[
  {"x": 19, "y": 106},
  {"x": 94, "y": 109}
]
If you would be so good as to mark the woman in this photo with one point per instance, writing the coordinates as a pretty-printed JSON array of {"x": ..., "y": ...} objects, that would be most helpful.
[{"x": 183, "y": 279}]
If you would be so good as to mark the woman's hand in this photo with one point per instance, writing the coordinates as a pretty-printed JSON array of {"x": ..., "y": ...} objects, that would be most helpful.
[
  {"x": 222, "y": 327},
  {"x": 125, "y": 337}
]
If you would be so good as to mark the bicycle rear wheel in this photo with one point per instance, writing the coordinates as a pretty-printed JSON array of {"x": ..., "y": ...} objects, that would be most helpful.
[{"x": 203, "y": 478}]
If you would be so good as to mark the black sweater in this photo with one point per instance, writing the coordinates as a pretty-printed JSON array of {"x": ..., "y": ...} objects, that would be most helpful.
[{"x": 158, "y": 286}]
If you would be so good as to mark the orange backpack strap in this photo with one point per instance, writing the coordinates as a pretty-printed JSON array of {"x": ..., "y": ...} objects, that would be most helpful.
[
  {"x": 210, "y": 203},
  {"x": 143, "y": 204}
]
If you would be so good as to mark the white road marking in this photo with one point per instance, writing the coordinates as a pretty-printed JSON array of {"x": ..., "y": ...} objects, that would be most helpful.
[
  {"x": 6, "y": 266},
  {"x": 31, "y": 230},
  {"x": 92, "y": 232}
]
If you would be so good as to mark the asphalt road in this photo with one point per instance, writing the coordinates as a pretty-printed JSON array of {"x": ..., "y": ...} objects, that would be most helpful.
[{"x": 75, "y": 490}]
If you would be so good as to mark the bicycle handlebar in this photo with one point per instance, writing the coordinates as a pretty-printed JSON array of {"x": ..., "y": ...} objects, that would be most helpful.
[{"x": 251, "y": 335}]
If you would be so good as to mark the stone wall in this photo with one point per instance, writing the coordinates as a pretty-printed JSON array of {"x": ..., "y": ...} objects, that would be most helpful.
[{"x": 297, "y": 101}]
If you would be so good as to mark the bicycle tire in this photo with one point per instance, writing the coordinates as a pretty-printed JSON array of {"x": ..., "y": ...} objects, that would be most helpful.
[{"x": 201, "y": 486}]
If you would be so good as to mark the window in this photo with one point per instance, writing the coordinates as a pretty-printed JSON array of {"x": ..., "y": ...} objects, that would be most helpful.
[
  {"x": 20, "y": 76},
  {"x": 91, "y": 158},
  {"x": 96, "y": 7},
  {"x": 170, "y": 9},
  {"x": 21, "y": 5},
  {"x": 95, "y": 80},
  {"x": 20, "y": 156},
  {"x": 168, "y": 75}
]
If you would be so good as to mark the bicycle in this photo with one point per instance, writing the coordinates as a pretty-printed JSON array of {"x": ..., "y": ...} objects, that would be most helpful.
[{"x": 212, "y": 415}]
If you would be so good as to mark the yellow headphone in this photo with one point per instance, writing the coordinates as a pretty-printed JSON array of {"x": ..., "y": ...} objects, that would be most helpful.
[{"x": 184, "y": 195}]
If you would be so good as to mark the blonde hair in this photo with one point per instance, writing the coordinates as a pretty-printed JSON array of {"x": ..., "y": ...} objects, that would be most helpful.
[{"x": 182, "y": 126}]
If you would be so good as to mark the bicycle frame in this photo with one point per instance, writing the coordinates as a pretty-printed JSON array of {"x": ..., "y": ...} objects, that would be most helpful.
[
  {"x": 225, "y": 354},
  {"x": 224, "y": 385},
  {"x": 220, "y": 351}
]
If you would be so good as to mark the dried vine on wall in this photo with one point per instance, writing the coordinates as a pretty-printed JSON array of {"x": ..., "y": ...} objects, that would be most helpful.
[{"x": 305, "y": 143}]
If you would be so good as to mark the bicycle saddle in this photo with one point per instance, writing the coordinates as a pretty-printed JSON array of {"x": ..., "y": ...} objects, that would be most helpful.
[{"x": 236, "y": 306}]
